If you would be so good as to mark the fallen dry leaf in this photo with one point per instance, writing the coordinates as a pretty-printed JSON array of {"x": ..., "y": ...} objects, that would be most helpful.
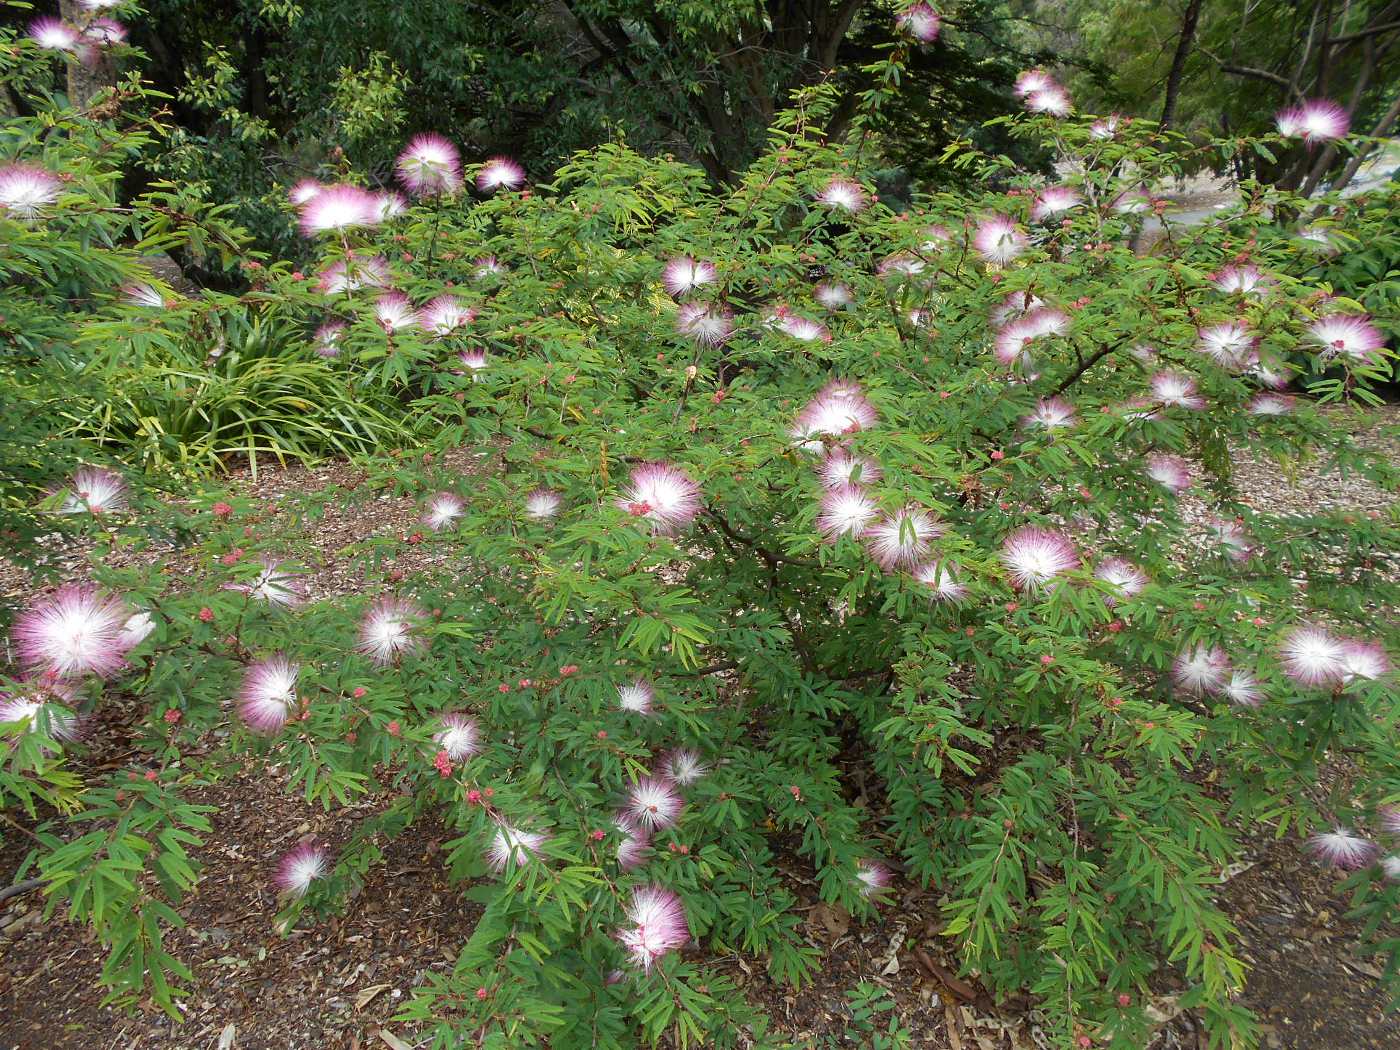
[{"x": 366, "y": 995}]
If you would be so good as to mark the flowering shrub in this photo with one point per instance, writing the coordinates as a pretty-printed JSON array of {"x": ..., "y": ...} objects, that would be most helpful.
[{"x": 780, "y": 483}]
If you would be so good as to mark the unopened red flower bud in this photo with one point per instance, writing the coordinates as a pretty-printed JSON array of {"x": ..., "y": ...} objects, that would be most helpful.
[
  {"x": 173, "y": 715},
  {"x": 998, "y": 454},
  {"x": 504, "y": 687},
  {"x": 1124, "y": 1000},
  {"x": 393, "y": 728},
  {"x": 206, "y": 614},
  {"x": 489, "y": 792},
  {"x": 482, "y": 993},
  {"x": 152, "y": 776},
  {"x": 222, "y": 510},
  {"x": 359, "y": 692}
]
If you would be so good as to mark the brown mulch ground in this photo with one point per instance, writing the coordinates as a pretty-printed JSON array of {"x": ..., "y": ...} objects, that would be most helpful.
[{"x": 337, "y": 984}]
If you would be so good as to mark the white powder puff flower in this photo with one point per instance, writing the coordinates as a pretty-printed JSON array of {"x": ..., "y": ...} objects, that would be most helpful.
[
  {"x": 1317, "y": 120},
  {"x": 138, "y": 627},
  {"x": 833, "y": 295},
  {"x": 838, "y": 410},
  {"x": 1050, "y": 413},
  {"x": 94, "y": 490},
  {"x": 1171, "y": 472},
  {"x": 664, "y": 495},
  {"x": 841, "y": 194},
  {"x": 1239, "y": 280},
  {"x": 637, "y": 696},
  {"x": 1313, "y": 656},
  {"x": 656, "y": 925},
  {"x": 1014, "y": 305},
  {"x": 1053, "y": 201},
  {"x": 874, "y": 878},
  {"x": 1347, "y": 335},
  {"x": 430, "y": 165},
  {"x": 339, "y": 208},
  {"x": 269, "y": 694},
  {"x": 634, "y": 845},
  {"x": 1053, "y": 101},
  {"x": 143, "y": 293},
  {"x": 841, "y": 467},
  {"x": 473, "y": 360},
  {"x": 846, "y": 510},
  {"x": 300, "y": 867},
  {"x": 389, "y": 630},
  {"x": 684, "y": 766},
  {"x": 1201, "y": 669},
  {"x": 1133, "y": 202},
  {"x": 1125, "y": 580},
  {"x": 1035, "y": 556},
  {"x": 941, "y": 577},
  {"x": 1105, "y": 129},
  {"x": 74, "y": 632},
  {"x": 274, "y": 584},
  {"x": 1344, "y": 849},
  {"x": 442, "y": 510},
  {"x": 1233, "y": 540},
  {"x": 26, "y": 190},
  {"x": 1266, "y": 403},
  {"x": 920, "y": 22},
  {"x": 1364, "y": 661},
  {"x": 445, "y": 314},
  {"x": 1032, "y": 80},
  {"x": 55, "y": 722},
  {"x": 1176, "y": 390},
  {"x": 394, "y": 312},
  {"x": 804, "y": 329},
  {"x": 998, "y": 240},
  {"x": 1228, "y": 345},
  {"x": 1243, "y": 689},
  {"x": 511, "y": 845},
  {"x": 543, "y": 504},
  {"x": 706, "y": 324},
  {"x": 350, "y": 275},
  {"x": 460, "y": 737},
  {"x": 500, "y": 173},
  {"x": 901, "y": 540},
  {"x": 654, "y": 803},
  {"x": 683, "y": 275}
]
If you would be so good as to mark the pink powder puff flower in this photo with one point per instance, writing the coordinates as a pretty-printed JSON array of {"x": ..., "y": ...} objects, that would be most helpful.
[
  {"x": 684, "y": 766},
  {"x": 664, "y": 495},
  {"x": 841, "y": 467},
  {"x": 142, "y": 293},
  {"x": 1313, "y": 656},
  {"x": 1389, "y": 817},
  {"x": 328, "y": 338},
  {"x": 637, "y": 696},
  {"x": 846, "y": 510},
  {"x": 1171, "y": 472},
  {"x": 273, "y": 584},
  {"x": 138, "y": 627},
  {"x": 936, "y": 238},
  {"x": 1363, "y": 661},
  {"x": 1012, "y": 345},
  {"x": 901, "y": 264},
  {"x": 300, "y": 867},
  {"x": 95, "y": 490},
  {"x": 804, "y": 329},
  {"x": 706, "y": 324},
  {"x": 1231, "y": 537},
  {"x": 511, "y": 845},
  {"x": 473, "y": 360},
  {"x": 1051, "y": 413},
  {"x": 901, "y": 540},
  {"x": 1317, "y": 120},
  {"x": 1145, "y": 354},
  {"x": 350, "y": 275},
  {"x": 833, "y": 413},
  {"x": 444, "y": 315},
  {"x": 542, "y": 504},
  {"x": 500, "y": 173},
  {"x": 73, "y": 632},
  {"x": 1243, "y": 689},
  {"x": 442, "y": 510},
  {"x": 53, "y": 34},
  {"x": 1032, "y": 80},
  {"x": 104, "y": 32},
  {"x": 1052, "y": 101},
  {"x": 634, "y": 845},
  {"x": 873, "y": 879},
  {"x": 55, "y": 722},
  {"x": 683, "y": 275},
  {"x": 1176, "y": 391},
  {"x": 1270, "y": 404},
  {"x": 1228, "y": 345},
  {"x": 1124, "y": 579},
  {"x": 1053, "y": 201},
  {"x": 1317, "y": 239},
  {"x": 998, "y": 240},
  {"x": 941, "y": 577},
  {"x": 1239, "y": 280},
  {"x": 339, "y": 208},
  {"x": 389, "y": 206},
  {"x": 430, "y": 165},
  {"x": 26, "y": 190},
  {"x": 1132, "y": 202},
  {"x": 460, "y": 737},
  {"x": 1201, "y": 669},
  {"x": 654, "y": 803},
  {"x": 920, "y": 22},
  {"x": 1391, "y": 866},
  {"x": 389, "y": 630},
  {"x": 304, "y": 191},
  {"x": 1107, "y": 128},
  {"x": 656, "y": 925},
  {"x": 833, "y": 295},
  {"x": 1035, "y": 556},
  {"x": 1343, "y": 849},
  {"x": 841, "y": 194},
  {"x": 1271, "y": 372},
  {"x": 1347, "y": 335},
  {"x": 394, "y": 311},
  {"x": 269, "y": 694},
  {"x": 1013, "y": 305},
  {"x": 487, "y": 266}
]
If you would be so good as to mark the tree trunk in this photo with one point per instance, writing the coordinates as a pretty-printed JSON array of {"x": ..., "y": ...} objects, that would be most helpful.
[
  {"x": 86, "y": 78},
  {"x": 1178, "y": 69}
]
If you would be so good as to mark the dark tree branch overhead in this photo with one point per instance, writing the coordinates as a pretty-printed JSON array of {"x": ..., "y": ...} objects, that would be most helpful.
[{"x": 1178, "y": 67}]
